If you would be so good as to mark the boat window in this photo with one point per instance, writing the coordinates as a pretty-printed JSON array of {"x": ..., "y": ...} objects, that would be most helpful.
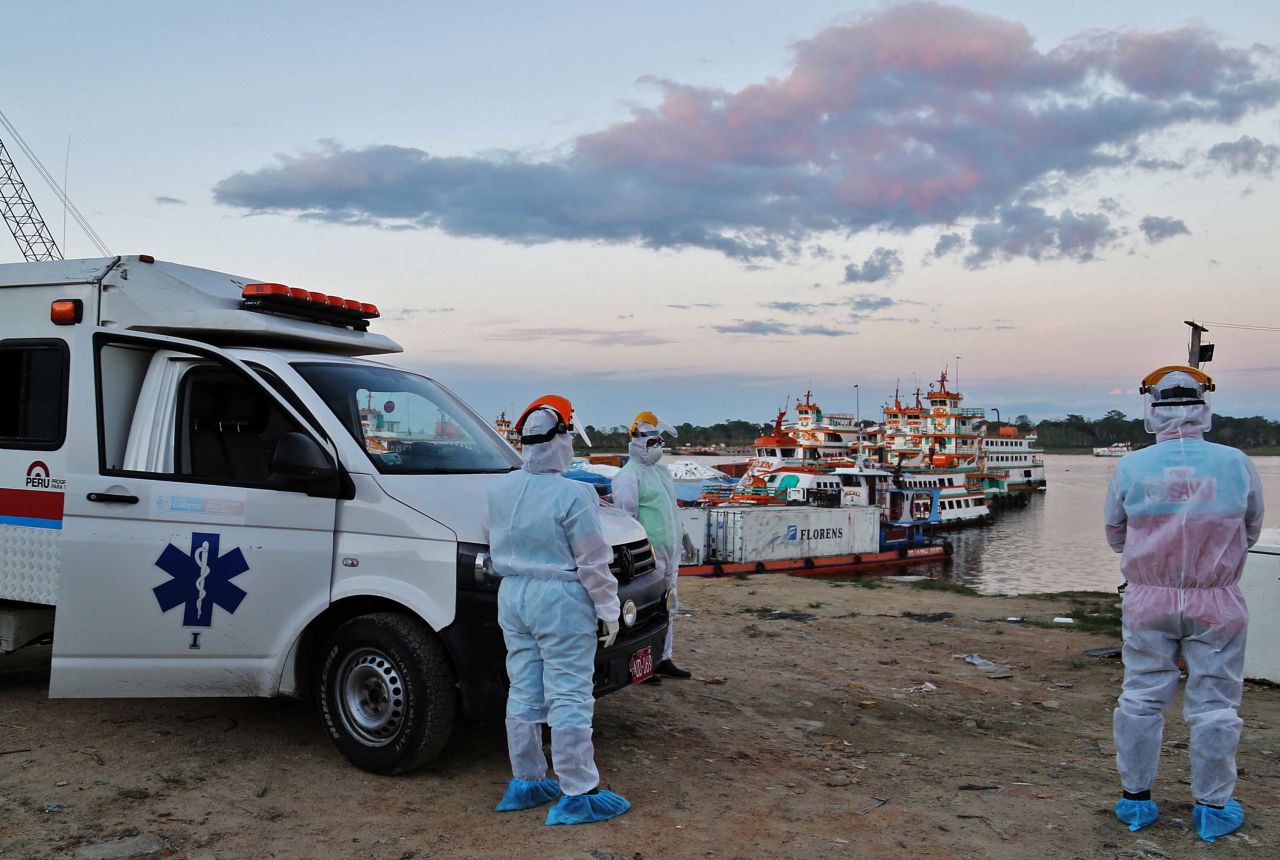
[{"x": 788, "y": 452}]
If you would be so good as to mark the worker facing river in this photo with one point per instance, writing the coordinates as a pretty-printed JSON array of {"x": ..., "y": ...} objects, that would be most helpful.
[{"x": 1182, "y": 512}]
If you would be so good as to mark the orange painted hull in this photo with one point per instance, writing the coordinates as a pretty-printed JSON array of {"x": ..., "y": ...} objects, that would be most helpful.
[{"x": 834, "y": 565}]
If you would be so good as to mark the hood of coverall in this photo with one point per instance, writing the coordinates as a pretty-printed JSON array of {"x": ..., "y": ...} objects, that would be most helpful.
[
  {"x": 1170, "y": 414},
  {"x": 546, "y": 458},
  {"x": 640, "y": 451},
  {"x": 646, "y": 427}
]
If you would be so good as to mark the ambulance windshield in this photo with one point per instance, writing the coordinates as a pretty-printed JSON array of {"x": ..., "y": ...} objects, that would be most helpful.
[{"x": 408, "y": 424}]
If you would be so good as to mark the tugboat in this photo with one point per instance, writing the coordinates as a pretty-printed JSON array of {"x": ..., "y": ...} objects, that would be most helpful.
[{"x": 506, "y": 430}]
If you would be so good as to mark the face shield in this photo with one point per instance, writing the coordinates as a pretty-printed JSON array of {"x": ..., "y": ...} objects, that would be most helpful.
[
  {"x": 1177, "y": 399},
  {"x": 649, "y": 425}
]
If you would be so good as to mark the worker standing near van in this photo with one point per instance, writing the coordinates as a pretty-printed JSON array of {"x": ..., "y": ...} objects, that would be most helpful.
[
  {"x": 1183, "y": 513},
  {"x": 557, "y": 591},
  {"x": 645, "y": 490}
]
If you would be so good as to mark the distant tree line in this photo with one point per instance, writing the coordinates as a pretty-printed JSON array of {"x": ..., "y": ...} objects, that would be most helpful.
[
  {"x": 731, "y": 434},
  {"x": 1076, "y": 431},
  {"x": 1058, "y": 434}
]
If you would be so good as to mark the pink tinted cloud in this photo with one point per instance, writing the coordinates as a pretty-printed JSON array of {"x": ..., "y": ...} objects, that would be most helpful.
[{"x": 919, "y": 114}]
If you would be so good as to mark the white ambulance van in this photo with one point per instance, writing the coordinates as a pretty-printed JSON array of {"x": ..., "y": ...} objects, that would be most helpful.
[{"x": 205, "y": 492}]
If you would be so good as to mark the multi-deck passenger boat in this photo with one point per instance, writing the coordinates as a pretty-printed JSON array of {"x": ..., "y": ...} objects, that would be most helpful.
[
  {"x": 1117, "y": 449},
  {"x": 1012, "y": 467}
]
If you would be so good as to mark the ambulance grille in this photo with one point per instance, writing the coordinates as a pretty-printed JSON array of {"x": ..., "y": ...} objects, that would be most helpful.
[{"x": 632, "y": 560}]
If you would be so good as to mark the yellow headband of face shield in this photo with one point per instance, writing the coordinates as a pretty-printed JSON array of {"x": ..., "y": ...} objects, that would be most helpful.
[{"x": 1149, "y": 381}]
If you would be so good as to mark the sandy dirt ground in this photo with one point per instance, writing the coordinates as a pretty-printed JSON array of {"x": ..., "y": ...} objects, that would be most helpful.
[{"x": 824, "y": 722}]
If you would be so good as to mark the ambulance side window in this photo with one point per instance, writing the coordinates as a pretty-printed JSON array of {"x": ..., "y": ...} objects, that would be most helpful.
[
  {"x": 227, "y": 427},
  {"x": 33, "y": 394},
  {"x": 185, "y": 417}
]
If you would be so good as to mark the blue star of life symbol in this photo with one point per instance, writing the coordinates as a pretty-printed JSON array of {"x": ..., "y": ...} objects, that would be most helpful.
[{"x": 200, "y": 580}]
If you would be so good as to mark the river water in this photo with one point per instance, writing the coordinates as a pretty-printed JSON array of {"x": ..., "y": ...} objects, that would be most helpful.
[{"x": 1056, "y": 542}]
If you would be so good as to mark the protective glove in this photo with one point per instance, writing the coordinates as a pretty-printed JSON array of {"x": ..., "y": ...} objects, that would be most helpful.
[
  {"x": 688, "y": 545},
  {"x": 608, "y": 632}
]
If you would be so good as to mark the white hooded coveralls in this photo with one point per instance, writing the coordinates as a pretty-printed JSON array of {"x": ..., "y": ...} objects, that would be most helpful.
[
  {"x": 1183, "y": 513},
  {"x": 548, "y": 546}
]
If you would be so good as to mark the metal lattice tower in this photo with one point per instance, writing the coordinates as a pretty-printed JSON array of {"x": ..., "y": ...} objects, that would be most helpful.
[{"x": 22, "y": 216}]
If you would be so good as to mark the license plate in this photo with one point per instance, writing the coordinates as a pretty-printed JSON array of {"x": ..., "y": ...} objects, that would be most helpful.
[{"x": 642, "y": 665}]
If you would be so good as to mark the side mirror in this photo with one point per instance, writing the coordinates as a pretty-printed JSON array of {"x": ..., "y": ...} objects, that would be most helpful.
[{"x": 298, "y": 457}]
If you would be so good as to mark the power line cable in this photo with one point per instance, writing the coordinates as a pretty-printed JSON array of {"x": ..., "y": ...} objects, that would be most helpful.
[
  {"x": 49, "y": 179},
  {"x": 1245, "y": 326}
]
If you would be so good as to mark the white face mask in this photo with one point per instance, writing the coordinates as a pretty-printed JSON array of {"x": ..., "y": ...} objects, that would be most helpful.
[{"x": 653, "y": 455}]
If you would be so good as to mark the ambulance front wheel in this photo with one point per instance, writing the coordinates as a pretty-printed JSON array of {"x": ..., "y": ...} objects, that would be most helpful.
[{"x": 387, "y": 695}]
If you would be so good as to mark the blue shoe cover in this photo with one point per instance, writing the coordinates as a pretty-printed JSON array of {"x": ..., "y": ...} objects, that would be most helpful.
[
  {"x": 1136, "y": 813},
  {"x": 1211, "y": 823},
  {"x": 528, "y": 793},
  {"x": 585, "y": 808}
]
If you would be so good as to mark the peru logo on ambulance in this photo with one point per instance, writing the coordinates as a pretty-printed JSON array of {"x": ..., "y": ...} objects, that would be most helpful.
[
  {"x": 39, "y": 478},
  {"x": 38, "y": 505}
]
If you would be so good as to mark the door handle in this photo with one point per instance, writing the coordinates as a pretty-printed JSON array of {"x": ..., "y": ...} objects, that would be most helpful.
[{"x": 116, "y": 498}]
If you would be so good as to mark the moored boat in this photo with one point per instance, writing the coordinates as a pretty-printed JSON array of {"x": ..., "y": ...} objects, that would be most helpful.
[{"x": 1116, "y": 449}]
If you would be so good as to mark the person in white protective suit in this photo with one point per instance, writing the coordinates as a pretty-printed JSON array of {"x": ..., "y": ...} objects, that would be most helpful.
[
  {"x": 645, "y": 490},
  {"x": 1183, "y": 513},
  {"x": 546, "y": 543}
]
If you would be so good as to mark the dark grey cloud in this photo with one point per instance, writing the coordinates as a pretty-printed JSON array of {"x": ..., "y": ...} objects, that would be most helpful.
[
  {"x": 823, "y": 331},
  {"x": 883, "y": 264},
  {"x": 1158, "y": 229},
  {"x": 762, "y": 327},
  {"x": 170, "y": 201},
  {"x": 868, "y": 302},
  {"x": 916, "y": 114},
  {"x": 1158, "y": 164},
  {"x": 594, "y": 336},
  {"x": 1023, "y": 230},
  {"x": 859, "y": 306},
  {"x": 797, "y": 307},
  {"x": 1246, "y": 155},
  {"x": 1112, "y": 206},
  {"x": 947, "y": 243}
]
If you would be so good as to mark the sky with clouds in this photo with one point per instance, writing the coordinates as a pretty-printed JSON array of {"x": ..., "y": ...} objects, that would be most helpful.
[{"x": 701, "y": 209}]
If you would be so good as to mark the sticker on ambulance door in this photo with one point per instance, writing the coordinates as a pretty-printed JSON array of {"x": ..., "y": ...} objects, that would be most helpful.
[{"x": 200, "y": 580}]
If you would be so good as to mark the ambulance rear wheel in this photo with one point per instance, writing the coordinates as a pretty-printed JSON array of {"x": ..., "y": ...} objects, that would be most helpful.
[{"x": 386, "y": 693}]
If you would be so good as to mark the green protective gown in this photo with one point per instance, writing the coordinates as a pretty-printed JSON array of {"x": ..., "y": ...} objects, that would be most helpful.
[{"x": 656, "y": 510}]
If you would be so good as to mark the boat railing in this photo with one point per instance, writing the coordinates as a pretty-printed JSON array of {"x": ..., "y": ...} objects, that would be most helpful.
[{"x": 977, "y": 412}]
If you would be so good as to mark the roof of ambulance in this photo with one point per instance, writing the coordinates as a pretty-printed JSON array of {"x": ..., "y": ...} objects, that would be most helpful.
[
  {"x": 54, "y": 272},
  {"x": 186, "y": 301}
]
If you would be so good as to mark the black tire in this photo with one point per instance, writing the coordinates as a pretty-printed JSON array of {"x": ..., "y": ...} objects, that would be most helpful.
[{"x": 386, "y": 693}]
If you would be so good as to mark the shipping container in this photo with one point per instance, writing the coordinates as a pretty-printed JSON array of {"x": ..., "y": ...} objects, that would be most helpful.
[
  {"x": 694, "y": 521},
  {"x": 749, "y": 534}
]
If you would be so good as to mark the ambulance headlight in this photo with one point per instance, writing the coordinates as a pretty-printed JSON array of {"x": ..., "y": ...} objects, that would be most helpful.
[{"x": 629, "y": 614}]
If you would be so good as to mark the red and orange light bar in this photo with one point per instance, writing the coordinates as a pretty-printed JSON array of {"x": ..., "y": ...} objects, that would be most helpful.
[{"x": 306, "y": 303}]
